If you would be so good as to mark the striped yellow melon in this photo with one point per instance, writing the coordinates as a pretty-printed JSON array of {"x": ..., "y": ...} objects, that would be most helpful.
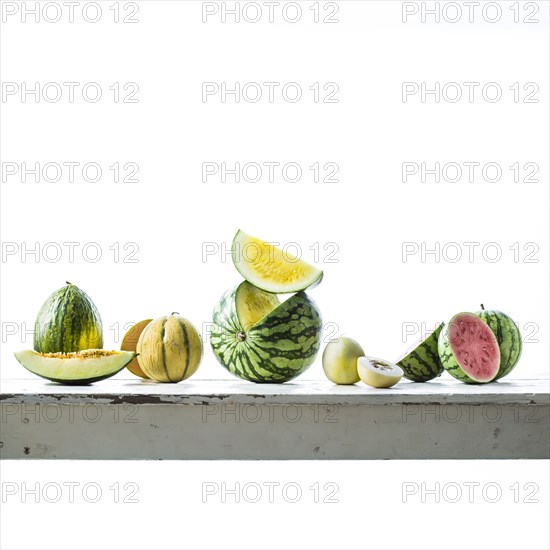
[{"x": 169, "y": 349}]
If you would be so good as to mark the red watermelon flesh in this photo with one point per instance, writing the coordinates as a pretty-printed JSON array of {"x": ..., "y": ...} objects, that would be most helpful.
[{"x": 474, "y": 347}]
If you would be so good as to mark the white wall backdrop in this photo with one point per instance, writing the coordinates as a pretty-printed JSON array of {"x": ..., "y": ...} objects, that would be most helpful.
[
  {"x": 399, "y": 253},
  {"x": 370, "y": 231}
]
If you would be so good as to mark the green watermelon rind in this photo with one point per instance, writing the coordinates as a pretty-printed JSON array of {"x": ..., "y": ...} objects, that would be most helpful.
[
  {"x": 68, "y": 321},
  {"x": 508, "y": 337},
  {"x": 447, "y": 357},
  {"x": 423, "y": 364},
  {"x": 278, "y": 348}
]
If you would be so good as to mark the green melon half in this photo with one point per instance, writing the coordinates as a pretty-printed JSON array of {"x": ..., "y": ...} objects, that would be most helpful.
[{"x": 83, "y": 367}]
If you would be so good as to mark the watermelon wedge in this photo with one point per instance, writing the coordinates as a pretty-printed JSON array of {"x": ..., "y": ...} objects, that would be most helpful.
[
  {"x": 422, "y": 362},
  {"x": 270, "y": 268}
]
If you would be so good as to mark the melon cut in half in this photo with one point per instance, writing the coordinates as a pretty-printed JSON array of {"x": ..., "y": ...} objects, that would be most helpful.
[
  {"x": 83, "y": 367},
  {"x": 469, "y": 350},
  {"x": 270, "y": 268},
  {"x": 378, "y": 373}
]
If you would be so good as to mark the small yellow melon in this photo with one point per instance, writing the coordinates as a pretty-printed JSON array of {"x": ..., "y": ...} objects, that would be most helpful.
[
  {"x": 169, "y": 349},
  {"x": 340, "y": 360}
]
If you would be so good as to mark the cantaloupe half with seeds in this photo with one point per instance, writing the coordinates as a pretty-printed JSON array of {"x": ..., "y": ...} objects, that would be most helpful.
[
  {"x": 82, "y": 367},
  {"x": 129, "y": 343},
  {"x": 270, "y": 268}
]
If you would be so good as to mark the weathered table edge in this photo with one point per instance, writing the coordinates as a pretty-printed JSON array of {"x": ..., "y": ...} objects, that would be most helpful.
[
  {"x": 184, "y": 423},
  {"x": 307, "y": 392}
]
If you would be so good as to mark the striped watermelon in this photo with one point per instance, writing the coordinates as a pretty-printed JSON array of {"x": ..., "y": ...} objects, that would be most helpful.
[
  {"x": 258, "y": 339},
  {"x": 468, "y": 349},
  {"x": 508, "y": 338},
  {"x": 423, "y": 363},
  {"x": 68, "y": 321}
]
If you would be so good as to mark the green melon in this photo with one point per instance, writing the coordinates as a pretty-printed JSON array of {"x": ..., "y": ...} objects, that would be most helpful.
[
  {"x": 83, "y": 367},
  {"x": 68, "y": 321},
  {"x": 261, "y": 340},
  {"x": 508, "y": 338},
  {"x": 422, "y": 363}
]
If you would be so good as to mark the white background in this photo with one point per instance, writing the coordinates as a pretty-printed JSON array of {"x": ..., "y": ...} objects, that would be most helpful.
[{"x": 370, "y": 291}]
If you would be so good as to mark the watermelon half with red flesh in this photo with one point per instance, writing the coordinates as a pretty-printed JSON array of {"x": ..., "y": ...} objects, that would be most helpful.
[{"x": 469, "y": 350}]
